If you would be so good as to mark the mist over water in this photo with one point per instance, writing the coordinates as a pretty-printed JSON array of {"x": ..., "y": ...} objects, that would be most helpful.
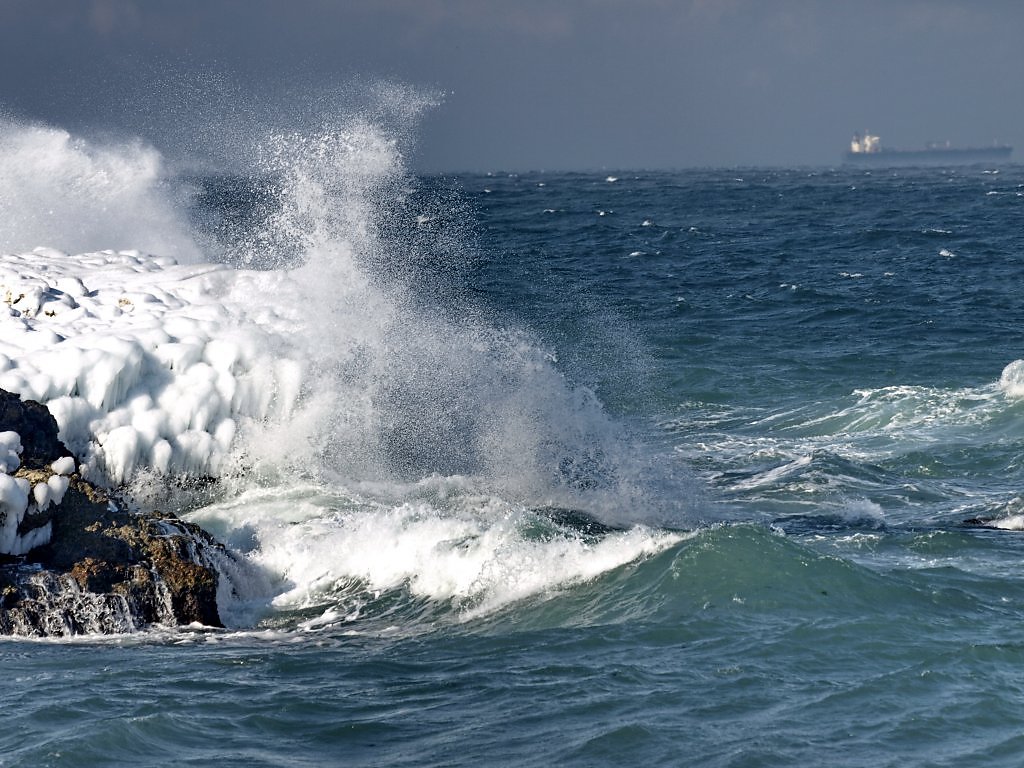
[{"x": 77, "y": 195}]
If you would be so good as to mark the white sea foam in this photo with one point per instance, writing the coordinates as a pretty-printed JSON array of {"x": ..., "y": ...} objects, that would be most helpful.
[
  {"x": 864, "y": 512},
  {"x": 477, "y": 553},
  {"x": 1011, "y": 381},
  {"x": 1010, "y": 523}
]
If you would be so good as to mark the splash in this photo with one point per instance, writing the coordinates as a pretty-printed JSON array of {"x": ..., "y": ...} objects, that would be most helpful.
[
  {"x": 399, "y": 389},
  {"x": 335, "y": 351},
  {"x": 1011, "y": 381},
  {"x": 335, "y": 557},
  {"x": 76, "y": 195}
]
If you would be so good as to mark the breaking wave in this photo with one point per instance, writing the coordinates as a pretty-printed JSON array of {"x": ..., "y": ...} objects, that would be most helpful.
[{"x": 284, "y": 331}]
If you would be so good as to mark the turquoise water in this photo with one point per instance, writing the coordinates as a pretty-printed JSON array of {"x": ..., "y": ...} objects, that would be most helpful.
[{"x": 804, "y": 372}]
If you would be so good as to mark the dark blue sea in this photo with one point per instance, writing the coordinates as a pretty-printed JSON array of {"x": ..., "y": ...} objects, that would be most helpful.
[{"x": 697, "y": 468}]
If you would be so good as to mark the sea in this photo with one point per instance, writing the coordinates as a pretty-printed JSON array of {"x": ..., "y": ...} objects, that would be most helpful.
[{"x": 709, "y": 467}]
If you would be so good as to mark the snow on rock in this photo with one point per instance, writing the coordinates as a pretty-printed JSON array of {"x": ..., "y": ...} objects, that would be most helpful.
[
  {"x": 13, "y": 505},
  {"x": 10, "y": 451},
  {"x": 144, "y": 363},
  {"x": 63, "y": 466}
]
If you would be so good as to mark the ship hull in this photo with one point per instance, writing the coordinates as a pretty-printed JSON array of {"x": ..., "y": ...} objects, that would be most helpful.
[{"x": 929, "y": 157}]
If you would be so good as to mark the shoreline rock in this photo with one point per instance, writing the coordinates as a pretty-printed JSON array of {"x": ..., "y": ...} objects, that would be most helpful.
[{"x": 103, "y": 569}]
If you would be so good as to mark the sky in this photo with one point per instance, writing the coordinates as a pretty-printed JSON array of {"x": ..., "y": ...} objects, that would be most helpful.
[{"x": 531, "y": 84}]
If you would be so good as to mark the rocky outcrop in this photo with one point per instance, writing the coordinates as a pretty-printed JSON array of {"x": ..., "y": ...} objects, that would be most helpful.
[{"x": 104, "y": 569}]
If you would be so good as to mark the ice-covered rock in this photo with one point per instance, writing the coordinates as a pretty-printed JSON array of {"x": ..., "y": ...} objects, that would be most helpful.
[
  {"x": 144, "y": 363},
  {"x": 34, "y": 466}
]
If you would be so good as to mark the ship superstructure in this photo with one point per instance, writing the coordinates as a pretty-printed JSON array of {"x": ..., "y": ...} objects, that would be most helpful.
[{"x": 867, "y": 149}]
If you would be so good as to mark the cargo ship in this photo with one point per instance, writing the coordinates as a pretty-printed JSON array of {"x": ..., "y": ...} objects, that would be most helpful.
[{"x": 867, "y": 150}]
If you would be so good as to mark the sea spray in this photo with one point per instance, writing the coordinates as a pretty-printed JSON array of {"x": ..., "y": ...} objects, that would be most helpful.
[
  {"x": 399, "y": 389},
  {"x": 448, "y": 453},
  {"x": 66, "y": 192}
]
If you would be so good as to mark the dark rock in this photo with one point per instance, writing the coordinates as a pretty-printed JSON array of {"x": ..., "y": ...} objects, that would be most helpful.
[
  {"x": 37, "y": 428},
  {"x": 577, "y": 521}
]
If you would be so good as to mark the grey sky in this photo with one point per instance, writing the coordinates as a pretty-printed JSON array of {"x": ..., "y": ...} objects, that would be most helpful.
[{"x": 585, "y": 84}]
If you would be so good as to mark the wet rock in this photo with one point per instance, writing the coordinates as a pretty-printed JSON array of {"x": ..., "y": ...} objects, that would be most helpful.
[{"x": 108, "y": 570}]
